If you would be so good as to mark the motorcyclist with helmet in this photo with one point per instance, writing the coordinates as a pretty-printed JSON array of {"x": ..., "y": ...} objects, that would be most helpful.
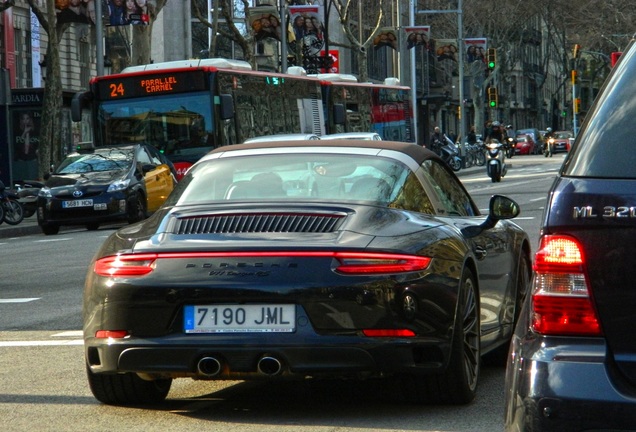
[
  {"x": 511, "y": 139},
  {"x": 548, "y": 142},
  {"x": 496, "y": 132}
]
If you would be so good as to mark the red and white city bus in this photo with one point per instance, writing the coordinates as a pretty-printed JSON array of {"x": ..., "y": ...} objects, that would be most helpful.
[{"x": 187, "y": 108}]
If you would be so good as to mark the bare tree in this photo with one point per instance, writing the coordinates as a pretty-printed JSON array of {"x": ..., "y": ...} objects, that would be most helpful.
[
  {"x": 230, "y": 30},
  {"x": 50, "y": 127},
  {"x": 351, "y": 25},
  {"x": 142, "y": 34}
]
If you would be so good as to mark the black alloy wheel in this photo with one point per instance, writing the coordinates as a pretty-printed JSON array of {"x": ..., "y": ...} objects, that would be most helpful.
[
  {"x": 457, "y": 385},
  {"x": 137, "y": 208}
]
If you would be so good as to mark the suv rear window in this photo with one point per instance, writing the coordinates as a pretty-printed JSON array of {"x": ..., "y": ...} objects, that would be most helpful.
[{"x": 603, "y": 150}]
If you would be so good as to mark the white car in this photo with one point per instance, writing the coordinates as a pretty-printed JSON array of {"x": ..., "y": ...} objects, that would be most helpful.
[{"x": 353, "y": 135}]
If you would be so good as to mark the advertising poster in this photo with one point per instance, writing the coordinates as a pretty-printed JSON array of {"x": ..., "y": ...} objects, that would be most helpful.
[
  {"x": 417, "y": 36},
  {"x": 120, "y": 12},
  {"x": 475, "y": 49},
  {"x": 264, "y": 22},
  {"x": 26, "y": 143},
  {"x": 307, "y": 30},
  {"x": 446, "y": 49},
  {"x": 386, "y": 37}
]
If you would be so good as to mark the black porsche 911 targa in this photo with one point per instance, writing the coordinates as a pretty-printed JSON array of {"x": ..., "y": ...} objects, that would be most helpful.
[{"x": 351, "y": 258}]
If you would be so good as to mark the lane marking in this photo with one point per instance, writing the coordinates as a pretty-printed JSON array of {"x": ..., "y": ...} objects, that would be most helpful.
[
  {"x": 19, "y": 300},
  {"x": 41, "y": 343},
  {"x": 53, "y": 240}
]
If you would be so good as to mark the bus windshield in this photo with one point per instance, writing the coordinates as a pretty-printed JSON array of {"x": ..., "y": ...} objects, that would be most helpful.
[{"x": 179, "y": 125}]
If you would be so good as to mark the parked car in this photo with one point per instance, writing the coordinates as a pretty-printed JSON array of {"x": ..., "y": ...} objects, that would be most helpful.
[
  {"x": 525, "y": 145},
  {"x": 561, "y": 141},
  {"x": 340, "y": 258},
  {"x": 105, "y": 184},
  {"x": 536, "y": 135},
  {"x": 573, "y": 358},
  {"x": 282, "y": 137},
  {"x": 353, "y": 135}
]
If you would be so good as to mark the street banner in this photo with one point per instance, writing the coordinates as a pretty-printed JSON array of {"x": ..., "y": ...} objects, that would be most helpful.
[
  {"x": 264, "y": 22},
  {"x": 119, "y": 12},
  {"x": 307, "y": 29},
  {"x": 417, "y": 36},
  {"x": 475, "y": 49},
  {"x": 446, "y": 49},
  {"x": 386, "y": 37}
]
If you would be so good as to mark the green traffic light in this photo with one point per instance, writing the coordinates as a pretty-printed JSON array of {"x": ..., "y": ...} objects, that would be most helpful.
[
  {"x": 493, "y": 104},
  {"x": 491, "y": 65}
]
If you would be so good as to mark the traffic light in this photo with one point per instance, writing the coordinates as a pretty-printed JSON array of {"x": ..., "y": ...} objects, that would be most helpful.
[
  {"x": 491, "y": 58},
  {"x": 575, "y": 51},
  {"x": 493, "y": 97},
  {"x": 614, "y": 57}
]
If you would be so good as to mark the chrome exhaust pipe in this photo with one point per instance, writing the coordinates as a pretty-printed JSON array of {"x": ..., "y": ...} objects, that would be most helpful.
[
  {"x": 268, "y": 365},
  {"x": 209, "y": 366}
]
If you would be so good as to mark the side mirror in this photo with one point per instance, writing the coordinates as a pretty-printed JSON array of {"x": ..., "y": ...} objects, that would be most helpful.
[
  {"x": 339, "y": 114},
  {"x": 80, "y": 101},
  {"x": 227, "y": 107},
  {"x": 500, "y": 208}
]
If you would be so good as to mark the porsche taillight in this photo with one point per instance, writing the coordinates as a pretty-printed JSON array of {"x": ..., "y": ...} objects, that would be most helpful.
[
  {"x": 125, "y": 265},
  {"x": 350, "y": 263},
  {"x": 377, "y": 263},
  {"x": 561, "y": 302}
]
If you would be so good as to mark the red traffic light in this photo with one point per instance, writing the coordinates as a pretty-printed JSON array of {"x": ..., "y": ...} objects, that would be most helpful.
[{"x": 614, "y": 57}]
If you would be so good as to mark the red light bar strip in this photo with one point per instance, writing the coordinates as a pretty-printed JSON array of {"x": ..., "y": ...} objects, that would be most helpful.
[{"x": 349, "y": 262}]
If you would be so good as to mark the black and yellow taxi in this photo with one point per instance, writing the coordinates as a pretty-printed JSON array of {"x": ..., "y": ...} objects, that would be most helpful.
[{"x": 105, "y": 184}]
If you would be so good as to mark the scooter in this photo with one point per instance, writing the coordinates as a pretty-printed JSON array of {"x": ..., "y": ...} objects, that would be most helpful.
[
  {"x": 547, "y": 147},
  {"x": 510, "y": 146},
  {"x": 13, "y": 210},
  {"x": 450, "y": 154},
  {"x": 495, "y": 161}
]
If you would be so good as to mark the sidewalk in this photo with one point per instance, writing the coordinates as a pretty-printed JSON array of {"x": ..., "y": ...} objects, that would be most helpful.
[{"x": 27, "y": 227}]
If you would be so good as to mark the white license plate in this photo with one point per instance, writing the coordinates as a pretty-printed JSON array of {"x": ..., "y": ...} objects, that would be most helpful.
[
  {"x": 265, "y": 318},
  {"x": 100, "y": 206},
  {"x": 77, "y": 203}
]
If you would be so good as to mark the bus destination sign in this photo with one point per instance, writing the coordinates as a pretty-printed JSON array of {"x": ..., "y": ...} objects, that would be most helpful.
[{"x": 151, "y": 84}]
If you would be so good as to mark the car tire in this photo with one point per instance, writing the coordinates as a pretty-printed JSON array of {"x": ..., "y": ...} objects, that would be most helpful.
[
  {"x": 136, "y": 208},
  {"x": 50, "y": 229},
  {"x": 92, "y": 226},
  {"x": 127, "y": 389},
  {"x": 457, "y": 385}
]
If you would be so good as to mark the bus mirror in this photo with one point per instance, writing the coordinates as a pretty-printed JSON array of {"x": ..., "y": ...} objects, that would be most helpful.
[
  {"x": 339, "y": 114},
  {"x": 80, "y": 101},
  {"x": 227, "y": 107}
]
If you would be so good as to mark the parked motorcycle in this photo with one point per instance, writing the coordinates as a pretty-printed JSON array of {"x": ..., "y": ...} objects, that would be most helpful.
[
  {"x": 449, "y": 153},
  {"x": 13, "y": 210},
  {"x": 27, "y": 191},
  {"x": 496, "y": 161}
]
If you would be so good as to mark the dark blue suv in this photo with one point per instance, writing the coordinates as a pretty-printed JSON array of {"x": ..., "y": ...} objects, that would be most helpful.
[{"x": 573, "y": 356}]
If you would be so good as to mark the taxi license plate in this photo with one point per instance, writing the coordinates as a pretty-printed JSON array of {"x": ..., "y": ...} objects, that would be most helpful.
[
  {"x": 240, "y": 319},
  {"x": 77, "y": 203}
]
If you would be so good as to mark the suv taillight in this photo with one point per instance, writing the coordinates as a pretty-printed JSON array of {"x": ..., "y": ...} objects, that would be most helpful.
[{"x": 561, "y": 303}]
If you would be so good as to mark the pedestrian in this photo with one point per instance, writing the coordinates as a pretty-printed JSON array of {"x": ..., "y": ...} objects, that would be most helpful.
[{"x": 437, "y": 140}]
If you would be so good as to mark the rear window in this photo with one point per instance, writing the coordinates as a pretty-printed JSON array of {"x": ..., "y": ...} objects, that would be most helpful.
[{"x": 606, "y": 145}]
